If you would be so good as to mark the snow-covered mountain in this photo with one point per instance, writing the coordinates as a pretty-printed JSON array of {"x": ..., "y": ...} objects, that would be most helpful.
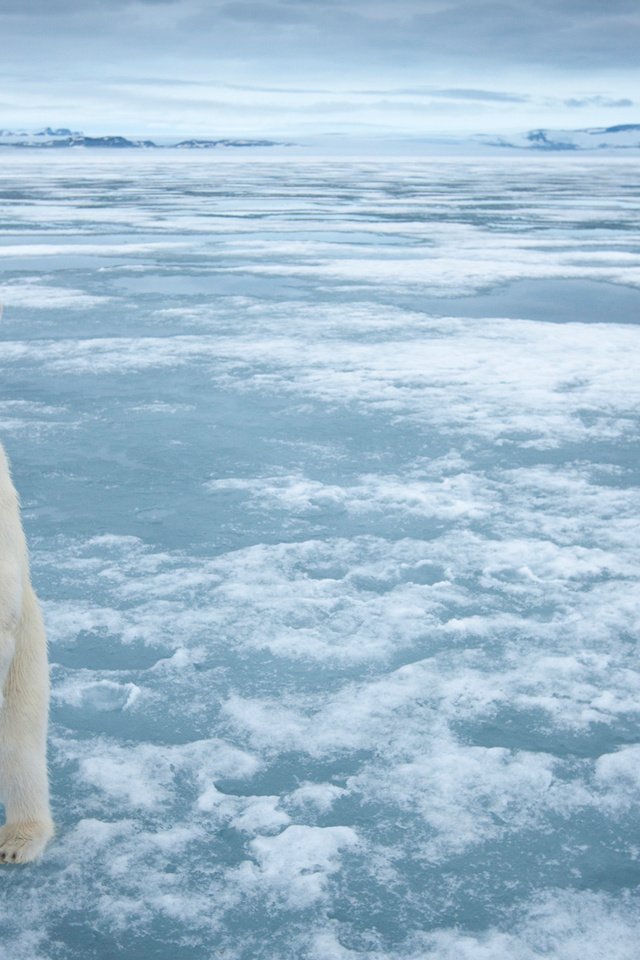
[
  {"x": 621, "y": 137},
  {"x": 624, "y": 136},
  {"x": 61, "y": 137},
  {"x": 36, "y": 135}
]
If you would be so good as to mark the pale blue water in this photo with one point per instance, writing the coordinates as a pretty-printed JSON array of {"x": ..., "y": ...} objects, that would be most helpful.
[{"x": 330, "y": 475}]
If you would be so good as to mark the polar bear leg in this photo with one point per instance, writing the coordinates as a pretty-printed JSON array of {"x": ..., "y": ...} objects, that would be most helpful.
[{"x": 23, "y": 732}]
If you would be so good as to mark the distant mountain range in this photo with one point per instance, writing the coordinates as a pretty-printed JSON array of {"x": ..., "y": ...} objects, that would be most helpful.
[
  {"x": 47, "y": 132},
  {"x": 51, "y": 139},
  {"x": 624, "y": 136}
]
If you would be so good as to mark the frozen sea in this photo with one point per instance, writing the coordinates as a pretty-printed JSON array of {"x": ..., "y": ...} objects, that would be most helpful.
[{"x": 330, "y": 474}]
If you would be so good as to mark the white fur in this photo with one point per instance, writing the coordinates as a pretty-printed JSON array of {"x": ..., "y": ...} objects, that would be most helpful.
[{"x": 24, "y": 692}]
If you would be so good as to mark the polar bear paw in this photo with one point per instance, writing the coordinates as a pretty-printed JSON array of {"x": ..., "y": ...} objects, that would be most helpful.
[{"x": 22, "y": 842}]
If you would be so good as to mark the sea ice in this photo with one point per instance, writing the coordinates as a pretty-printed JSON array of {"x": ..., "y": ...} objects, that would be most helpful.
[{"x": 329, "y": 471}]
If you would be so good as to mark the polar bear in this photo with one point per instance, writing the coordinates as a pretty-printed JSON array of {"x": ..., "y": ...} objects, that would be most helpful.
[{"x": 24, "y": 692}]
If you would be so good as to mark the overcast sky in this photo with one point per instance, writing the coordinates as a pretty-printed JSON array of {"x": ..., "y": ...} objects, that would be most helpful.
[{"x": 297, "y": 67}]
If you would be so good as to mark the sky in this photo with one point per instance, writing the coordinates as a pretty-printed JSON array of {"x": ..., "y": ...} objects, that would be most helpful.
[{"x": 308, "y": 67}]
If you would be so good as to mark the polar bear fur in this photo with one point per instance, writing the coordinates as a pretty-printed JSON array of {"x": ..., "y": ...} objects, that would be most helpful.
[{"x": 24, "y": 692}]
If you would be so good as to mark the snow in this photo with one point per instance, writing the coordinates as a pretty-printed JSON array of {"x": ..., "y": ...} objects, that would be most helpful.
[{"x": 329, "y": 474}]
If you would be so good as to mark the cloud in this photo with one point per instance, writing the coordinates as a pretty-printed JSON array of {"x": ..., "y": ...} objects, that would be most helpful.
[
  {"x": 568, "y": 32},
  {"x": 453, "y": 93},
  {"x": 598, "y": 101},
  {"x": 483, "y": 95},
  {"x": 480, "y": 53}
]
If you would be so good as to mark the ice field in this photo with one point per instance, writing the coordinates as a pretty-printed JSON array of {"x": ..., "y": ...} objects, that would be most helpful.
[{"x": 330, "y": 474}]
